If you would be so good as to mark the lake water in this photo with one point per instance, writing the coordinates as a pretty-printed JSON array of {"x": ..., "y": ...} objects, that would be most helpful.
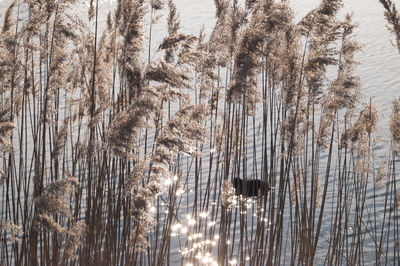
[
  {"x": 379, "y": 61},
  {"x": 379, "y": 67}
]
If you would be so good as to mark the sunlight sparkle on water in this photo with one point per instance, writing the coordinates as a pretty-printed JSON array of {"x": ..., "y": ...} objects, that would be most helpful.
[
  {"x": 180, "y": 192},
  {"x": 185, "y": 251},
  {"x": 190, "y": 220},
  {"x": 196, "y": 236},
  {"x": 211, "y": 223},
  {"x": 206, "y": 258},
  {"x": 203, "y": 214},
  {"x": 167, "y": 181},
  {"x": 233, "y": 262},
  {"x": 176, "y": 227}
]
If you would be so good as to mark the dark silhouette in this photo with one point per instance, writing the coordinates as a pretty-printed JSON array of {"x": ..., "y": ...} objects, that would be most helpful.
[{"x": 250, "y": 188}]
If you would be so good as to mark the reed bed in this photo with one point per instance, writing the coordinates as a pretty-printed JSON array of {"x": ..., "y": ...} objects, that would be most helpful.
[{"x": 115, "y": 154}]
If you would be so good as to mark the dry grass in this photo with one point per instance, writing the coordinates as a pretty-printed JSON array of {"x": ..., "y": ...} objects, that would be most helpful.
[{"x": 113, "y": 155}]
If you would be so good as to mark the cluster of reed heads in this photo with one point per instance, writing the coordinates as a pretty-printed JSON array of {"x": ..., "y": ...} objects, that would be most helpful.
[{"x": 113, "y": 153}]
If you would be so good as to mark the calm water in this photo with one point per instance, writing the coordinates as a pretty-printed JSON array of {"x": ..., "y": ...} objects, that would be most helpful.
[
  {"x": 379, "y": 67},
  {"x": 379, "y": 61}
]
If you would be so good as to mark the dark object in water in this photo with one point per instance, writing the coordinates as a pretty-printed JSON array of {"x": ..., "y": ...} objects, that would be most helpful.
[{"x": 250, "y": 188}]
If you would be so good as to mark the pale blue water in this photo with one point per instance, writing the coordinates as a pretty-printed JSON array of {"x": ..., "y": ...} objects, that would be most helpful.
[{"x": 379, "y": 61}]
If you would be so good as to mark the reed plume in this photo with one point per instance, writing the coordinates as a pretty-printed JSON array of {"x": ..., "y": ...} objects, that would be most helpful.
[
  {"x": 163, "y": 72},
  {"x": 324, "y": 30},
  {"x": 8, "y": 22},
  {"x": 127, "y": 125},
  {"x": 267, "y": 18},
  {"x": 11, "y": 231},
  {"x": 184, "y": 129},
  {"x": 365, "y": 125},
  {"x": 393, "y": 18},
  {"x": 74, "y": 239},
  {"x": 129, "y": 16},
  {"x": 54, "y": 195},
  {"x": 231, "y": 17},
  {"x": 6, "y": 130},
  {"x": 345, "y": 90}
]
